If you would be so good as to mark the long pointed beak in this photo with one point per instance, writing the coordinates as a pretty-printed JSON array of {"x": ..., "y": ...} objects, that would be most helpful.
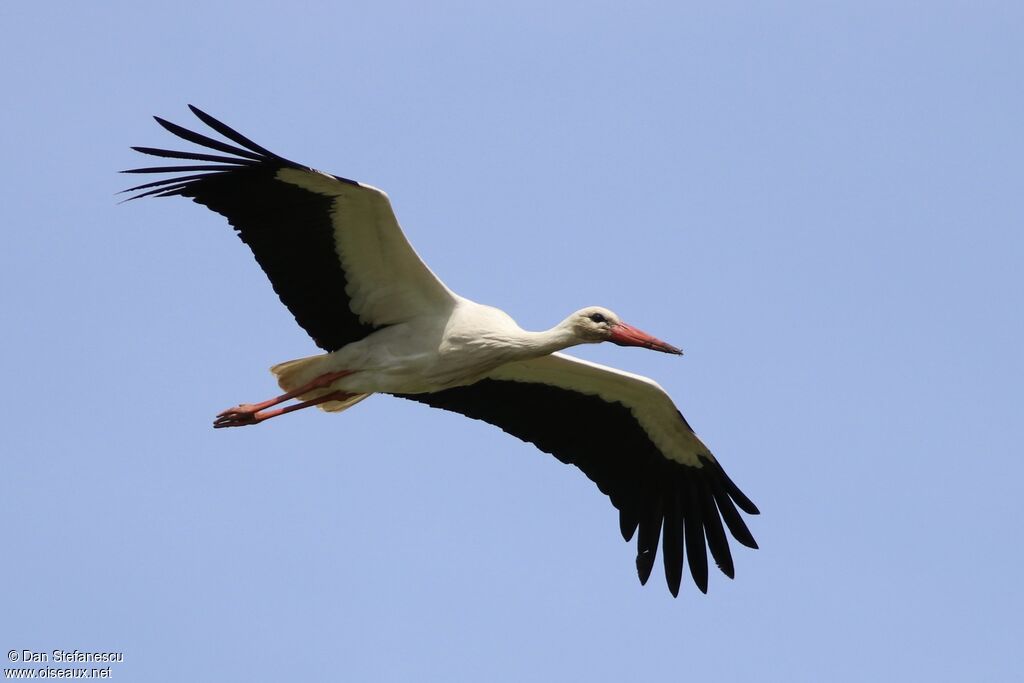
[{"x": 627, "y": 335}]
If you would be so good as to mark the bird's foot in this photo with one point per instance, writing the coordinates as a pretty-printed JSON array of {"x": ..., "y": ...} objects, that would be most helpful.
[
  {"x": 254, "y": 413},
  {"x": 239, "y": 416}
]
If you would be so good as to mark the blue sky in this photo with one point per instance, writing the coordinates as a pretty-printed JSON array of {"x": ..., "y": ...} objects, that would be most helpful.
[{"x": 821, "y": 203}]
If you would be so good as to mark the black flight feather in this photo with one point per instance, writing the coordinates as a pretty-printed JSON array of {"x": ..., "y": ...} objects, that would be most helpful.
[
  {"x": 657, "y": 498},
  {"x": 290, "y": 230}
]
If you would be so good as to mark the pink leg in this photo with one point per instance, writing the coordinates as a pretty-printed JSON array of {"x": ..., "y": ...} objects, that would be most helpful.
[
  {"x": 243, "y": 418},
  {"x": 245, "y": 413}
]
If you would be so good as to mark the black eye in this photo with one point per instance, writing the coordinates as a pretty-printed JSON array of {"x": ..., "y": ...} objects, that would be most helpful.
[{"x": 598, "y": 318}]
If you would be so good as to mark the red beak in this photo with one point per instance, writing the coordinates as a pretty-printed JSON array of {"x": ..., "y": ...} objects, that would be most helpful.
[{"x": 627, "y": 335}]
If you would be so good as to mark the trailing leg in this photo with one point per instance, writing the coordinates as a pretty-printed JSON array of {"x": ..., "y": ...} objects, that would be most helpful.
[
  {"x": 245, "y": 413},
  {"x": 242, "y": 418}
]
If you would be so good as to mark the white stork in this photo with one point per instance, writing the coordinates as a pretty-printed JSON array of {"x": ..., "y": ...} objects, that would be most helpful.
[{"x": 336, "y": 256}]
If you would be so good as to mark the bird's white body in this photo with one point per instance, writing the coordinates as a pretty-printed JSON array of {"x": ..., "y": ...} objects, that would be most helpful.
[
  {"x": 338, "y": 259},
  {"x": 427, "y": 353}
]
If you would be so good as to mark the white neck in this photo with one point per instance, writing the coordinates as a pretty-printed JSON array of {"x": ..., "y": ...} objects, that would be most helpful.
[{"x": 536, "y": 344}]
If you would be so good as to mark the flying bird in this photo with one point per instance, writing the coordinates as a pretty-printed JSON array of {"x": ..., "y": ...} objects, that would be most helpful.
[{"x": 337, "y": 258}]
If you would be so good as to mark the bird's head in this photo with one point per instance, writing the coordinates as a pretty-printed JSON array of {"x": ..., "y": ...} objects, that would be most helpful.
[{"x": 595, "y": 324}]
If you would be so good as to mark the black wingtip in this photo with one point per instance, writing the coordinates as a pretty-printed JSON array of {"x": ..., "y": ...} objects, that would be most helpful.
[
  {"x": 627, "y": 525},
  {"x": 741, "y": 499},
  {"x": 674, "y": 577},
  {"x": 714, "y": 532},
  {"x": 644, "y": 565},
  {"x": 698, "y": 562},
  {"x": 672, "y": 545},
  {"x": 231, "y": 134},
  {"x": 205, "y": 141},
  {"x": 195, "y": 156},
  {"x": 745, "y": 503}
]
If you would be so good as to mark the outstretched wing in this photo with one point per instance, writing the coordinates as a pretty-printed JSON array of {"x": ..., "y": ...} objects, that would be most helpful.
[
  {"x": 626, "y": 435},
  {"x": 332, "y": 247}
]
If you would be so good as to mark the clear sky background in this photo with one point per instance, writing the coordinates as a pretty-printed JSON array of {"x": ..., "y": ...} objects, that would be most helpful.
[{"x": 822, "y": 203}]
